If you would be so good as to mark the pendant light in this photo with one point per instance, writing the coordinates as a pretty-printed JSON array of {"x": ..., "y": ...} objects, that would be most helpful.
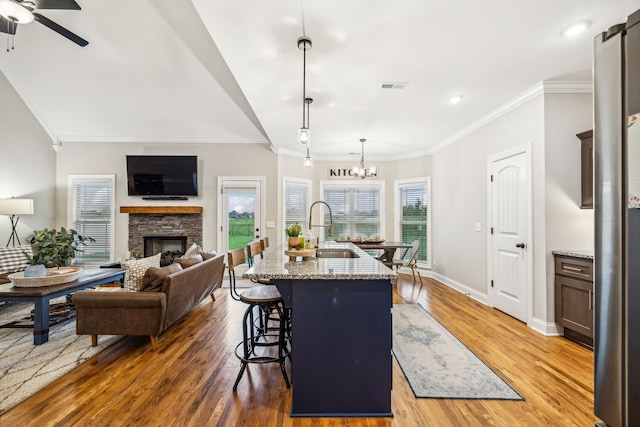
[
  {"x": 360, "y": 171},
  {"x": 307, "y": 160},
  {"x": 304, "y": 134}
]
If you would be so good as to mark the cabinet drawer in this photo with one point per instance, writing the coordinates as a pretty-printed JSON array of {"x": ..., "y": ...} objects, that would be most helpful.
[{"x": 578, "y": 268}]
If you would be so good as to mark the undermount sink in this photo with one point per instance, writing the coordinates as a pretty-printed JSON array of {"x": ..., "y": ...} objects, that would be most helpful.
[{"x": 336, "y": 253}]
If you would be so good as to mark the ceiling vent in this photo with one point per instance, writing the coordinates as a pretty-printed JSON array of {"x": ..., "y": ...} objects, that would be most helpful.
[{"x": 394, "y": 85}]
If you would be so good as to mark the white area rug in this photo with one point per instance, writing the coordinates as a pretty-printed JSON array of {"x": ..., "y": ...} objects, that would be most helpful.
[
  {"x": 26, "y": 368},
  {"x": 437, "y": 364}
]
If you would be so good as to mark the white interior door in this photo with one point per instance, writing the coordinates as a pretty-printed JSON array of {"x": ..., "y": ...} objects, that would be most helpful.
[
  {"x": 509, "y": 239},
  {"x": 241, "y": 215}
]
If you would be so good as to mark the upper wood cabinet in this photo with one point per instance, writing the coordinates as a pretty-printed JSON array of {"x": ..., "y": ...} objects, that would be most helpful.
[{"x": 586, "y": 139}]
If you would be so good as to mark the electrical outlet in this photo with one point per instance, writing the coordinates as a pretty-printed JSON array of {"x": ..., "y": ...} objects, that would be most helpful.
[{"x": 478, "y": 226}]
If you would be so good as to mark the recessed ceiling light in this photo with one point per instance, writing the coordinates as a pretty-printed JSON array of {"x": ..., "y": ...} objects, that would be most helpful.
[
  {"x": 455, "y": 99},
  {"x": 576, "y": 28}
]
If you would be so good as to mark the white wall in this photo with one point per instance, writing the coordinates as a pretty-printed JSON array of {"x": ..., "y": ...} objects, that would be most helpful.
[
  {"x": 460, "y": 193},
  {"x": 567, "y": 226},
  {"x": 549, "y": 123},
  {"x": 27, "y": 164},
  {"x": 213, "y": 160}
]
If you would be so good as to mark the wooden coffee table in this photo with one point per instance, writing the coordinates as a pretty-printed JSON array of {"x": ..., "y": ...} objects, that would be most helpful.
[{"x": 41, "y": 296}]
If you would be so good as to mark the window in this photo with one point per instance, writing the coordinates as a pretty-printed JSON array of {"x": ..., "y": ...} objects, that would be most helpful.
[
  {"x": 358, "y": 208},
  {"x": 91, "y": 208},
  {"x": 413, "y": 201},
  {"x": 297, "y": 199}
]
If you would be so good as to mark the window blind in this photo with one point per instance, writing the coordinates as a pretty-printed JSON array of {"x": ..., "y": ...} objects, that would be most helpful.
[
  {"x": 414, "y": 213},
  {"x": 356, "y": 211},
  {"x": 92, "y": 212},
  {"x": 296, "y": 202}
]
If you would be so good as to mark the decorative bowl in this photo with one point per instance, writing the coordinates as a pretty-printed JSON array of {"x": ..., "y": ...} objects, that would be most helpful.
[{"x": 55, "y": 276}]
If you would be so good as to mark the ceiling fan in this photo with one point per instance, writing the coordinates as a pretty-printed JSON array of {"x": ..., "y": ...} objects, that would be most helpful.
[{"x": 14, "y": 12}]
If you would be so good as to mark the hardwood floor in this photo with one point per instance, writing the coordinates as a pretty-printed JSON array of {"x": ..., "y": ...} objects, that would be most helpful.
[{"x": 189, "y": 380}]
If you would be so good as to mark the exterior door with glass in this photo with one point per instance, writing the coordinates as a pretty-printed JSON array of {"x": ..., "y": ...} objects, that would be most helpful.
[{"x": 240, "y": 216}]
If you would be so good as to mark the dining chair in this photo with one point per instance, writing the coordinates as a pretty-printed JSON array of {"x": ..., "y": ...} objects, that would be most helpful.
[{"x": 411, "y": 261}]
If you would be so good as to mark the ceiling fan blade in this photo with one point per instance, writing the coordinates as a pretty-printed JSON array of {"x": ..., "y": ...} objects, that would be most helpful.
[
  {"x": 57, "y": 4},
  {"x": 60, "y": 29},
  {"x": 7, "y": 26}
]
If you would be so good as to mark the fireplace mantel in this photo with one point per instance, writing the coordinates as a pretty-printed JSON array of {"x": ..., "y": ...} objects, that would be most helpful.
[{"x": 161, "y": 209}]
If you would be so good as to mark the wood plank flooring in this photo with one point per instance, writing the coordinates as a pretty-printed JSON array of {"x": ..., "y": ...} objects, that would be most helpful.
[{"x": 188, "y": 381}]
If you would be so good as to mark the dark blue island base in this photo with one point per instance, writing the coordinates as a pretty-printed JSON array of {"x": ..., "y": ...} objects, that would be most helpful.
[{"x": 341, "y": 360}]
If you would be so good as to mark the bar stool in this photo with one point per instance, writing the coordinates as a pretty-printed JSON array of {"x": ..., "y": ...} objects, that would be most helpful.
[{"x": 267, "y": 299}]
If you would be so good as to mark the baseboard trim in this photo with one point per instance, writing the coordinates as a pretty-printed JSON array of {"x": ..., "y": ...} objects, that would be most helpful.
[
  {"x": 550, "y": 329},
  {"x": 462, "y": 288}
]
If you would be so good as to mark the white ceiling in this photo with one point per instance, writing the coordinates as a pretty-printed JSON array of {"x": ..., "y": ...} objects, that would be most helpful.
[{"x": 230, "y": 71}]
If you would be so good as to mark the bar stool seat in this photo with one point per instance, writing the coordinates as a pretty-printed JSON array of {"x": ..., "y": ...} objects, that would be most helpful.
[{"x": 261, "y": 294}]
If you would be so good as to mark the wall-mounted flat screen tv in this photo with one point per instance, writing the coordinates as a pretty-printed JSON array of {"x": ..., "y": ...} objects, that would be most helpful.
[{"x": 162, "y": 175}]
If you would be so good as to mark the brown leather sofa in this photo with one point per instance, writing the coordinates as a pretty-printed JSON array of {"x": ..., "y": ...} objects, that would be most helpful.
[{"x": 147, "y": 313}]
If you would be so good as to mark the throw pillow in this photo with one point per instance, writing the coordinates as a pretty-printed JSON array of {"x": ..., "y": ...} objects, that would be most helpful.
[
  {"x": 193, "y": 249},
  {"x": 154, "y": 277},
  {"x": 13, "y": 259},
  {"x": 187, "y": 262},
  {"x": 136, "y": 269},
  {"x": 208, "y": 254}
]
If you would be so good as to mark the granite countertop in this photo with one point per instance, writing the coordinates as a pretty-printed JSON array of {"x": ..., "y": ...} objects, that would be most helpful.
[
  {"x": 575, "y": 254},
  {"x": 276, "y": 265}
]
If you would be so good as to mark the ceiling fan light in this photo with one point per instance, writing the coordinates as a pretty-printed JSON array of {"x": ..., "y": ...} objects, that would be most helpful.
[{"x": 15, "y": 12}]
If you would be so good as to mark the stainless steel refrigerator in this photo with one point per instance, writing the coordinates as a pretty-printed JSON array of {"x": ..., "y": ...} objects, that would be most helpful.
[{"x": 617, "y": 230}]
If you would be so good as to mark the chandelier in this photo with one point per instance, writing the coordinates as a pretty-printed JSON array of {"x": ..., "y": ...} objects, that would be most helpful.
[
  {"x": 360, "y": 171},
  {"x": 304, "y": 134}
]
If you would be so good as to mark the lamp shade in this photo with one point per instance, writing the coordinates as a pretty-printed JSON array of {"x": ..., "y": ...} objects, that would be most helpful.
[{"x": 16, "y": 206}]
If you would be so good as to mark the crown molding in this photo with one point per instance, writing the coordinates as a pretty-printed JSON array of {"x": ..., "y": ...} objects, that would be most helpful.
[
  {"x": 526, "y": 96},
  {"x": 160, "y": 140}
]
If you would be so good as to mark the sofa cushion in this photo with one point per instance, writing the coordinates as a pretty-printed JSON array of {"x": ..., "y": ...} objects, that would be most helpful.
[
  {"x": 136, "y": 269},
  {"x": 154, "y": 277},
  {"x": 13, "y": 259},
  {"x": 207, "y": 254},
  {"x": 187, "y": 262},
  {"x": 193, "y": 249}
]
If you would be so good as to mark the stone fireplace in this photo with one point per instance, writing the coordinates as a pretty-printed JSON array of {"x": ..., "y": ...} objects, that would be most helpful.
[{"x": 164, "y": 228}]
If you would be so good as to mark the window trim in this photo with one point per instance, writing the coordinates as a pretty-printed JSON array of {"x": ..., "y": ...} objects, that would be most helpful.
[
  {"x": 379, "y": 184},
  {"x": 398, "y": 184},
  {"x": 71, "y": 179}
]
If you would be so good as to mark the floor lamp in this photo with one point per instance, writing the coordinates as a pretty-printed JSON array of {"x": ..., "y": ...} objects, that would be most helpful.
[{"x": 15, "y": 207}]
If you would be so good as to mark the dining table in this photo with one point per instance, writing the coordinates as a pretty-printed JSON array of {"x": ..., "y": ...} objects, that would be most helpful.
[{"x": 388, "y": 248}]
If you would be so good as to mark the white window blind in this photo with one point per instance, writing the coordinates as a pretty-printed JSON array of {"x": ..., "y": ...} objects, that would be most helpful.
[
  {"x": 92, "y": 214},
  {"x": 297, "y": 198},
  {"x": 356, "y": 210},
  {"x": 414, "y": 215}
]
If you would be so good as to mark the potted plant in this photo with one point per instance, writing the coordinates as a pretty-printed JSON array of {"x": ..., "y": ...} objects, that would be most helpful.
[
  {"x": 293, "y": 232},
  {"x": 55, "y": 248}
]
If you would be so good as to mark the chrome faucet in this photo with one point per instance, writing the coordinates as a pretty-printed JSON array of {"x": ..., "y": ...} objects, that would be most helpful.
[{"x": 330, "y": 217}]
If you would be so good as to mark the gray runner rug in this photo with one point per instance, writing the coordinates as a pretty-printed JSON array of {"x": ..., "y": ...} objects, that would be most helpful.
[
  {"x": 437, "y": 364},
  {"x": 26, "y": 368}
]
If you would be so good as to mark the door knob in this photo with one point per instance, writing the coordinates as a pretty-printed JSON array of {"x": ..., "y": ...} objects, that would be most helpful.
[{"x": 520, "y": 245}]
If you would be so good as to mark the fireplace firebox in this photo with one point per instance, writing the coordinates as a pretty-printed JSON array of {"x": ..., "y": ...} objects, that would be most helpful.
[{"x": 170, "y": 247}]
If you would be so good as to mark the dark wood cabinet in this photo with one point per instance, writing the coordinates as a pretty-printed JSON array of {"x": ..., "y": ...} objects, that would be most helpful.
[
  {"x": 586, "y": 161},
  {"x": 574, "y": 297}
]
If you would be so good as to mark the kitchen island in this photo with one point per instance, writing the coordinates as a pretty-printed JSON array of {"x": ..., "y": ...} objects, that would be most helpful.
[{"x": 340, "y": 304}]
